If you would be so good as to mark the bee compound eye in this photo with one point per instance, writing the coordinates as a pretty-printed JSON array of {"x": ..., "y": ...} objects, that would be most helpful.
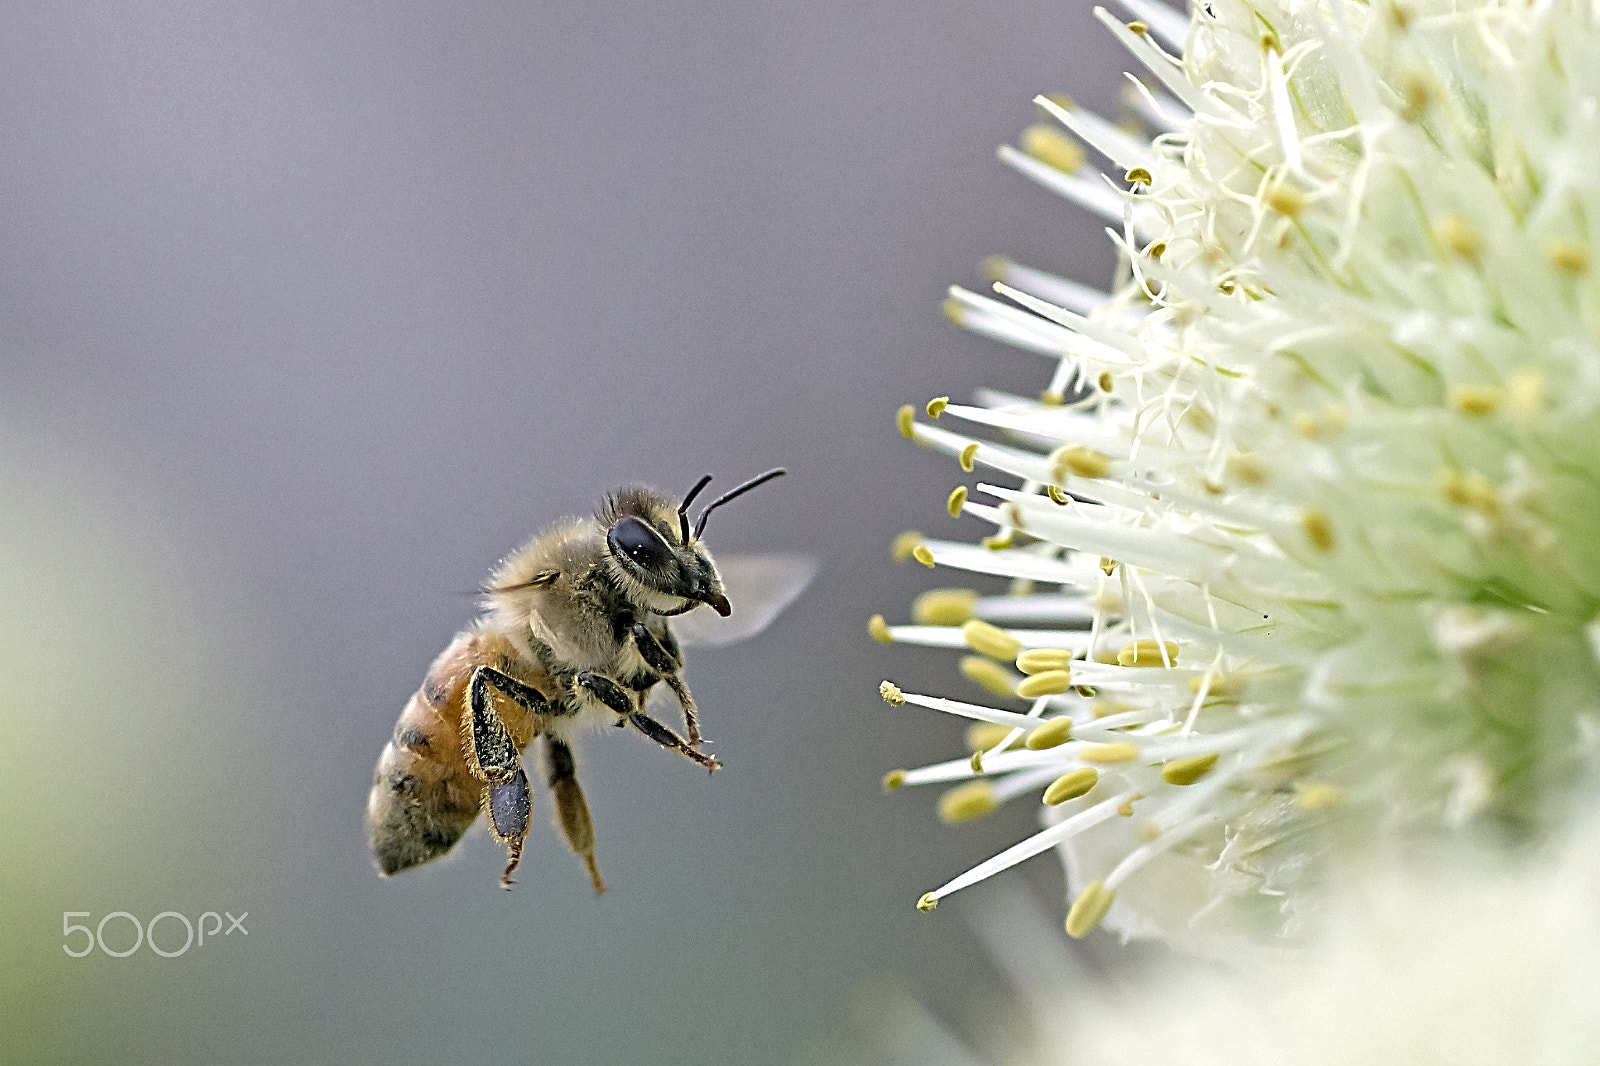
[{"x": 634, "y": 538}]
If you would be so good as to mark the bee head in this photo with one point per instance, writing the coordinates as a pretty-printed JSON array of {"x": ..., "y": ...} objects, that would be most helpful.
[{"x": 659, "y": 560}]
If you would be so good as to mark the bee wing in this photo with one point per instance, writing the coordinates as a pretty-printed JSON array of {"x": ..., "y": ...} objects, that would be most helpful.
[{"x": 758, "y": 586}]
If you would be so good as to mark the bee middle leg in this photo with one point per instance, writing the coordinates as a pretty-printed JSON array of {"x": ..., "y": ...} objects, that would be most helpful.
[
  {"x": 491, "y": 757},
  {"x": 612, "y": 695}
]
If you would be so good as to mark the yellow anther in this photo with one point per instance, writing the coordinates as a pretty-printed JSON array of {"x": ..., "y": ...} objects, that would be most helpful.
[
  {"x": 1087, "y": 910},
  {"x": 1458, "y": 235},
  {"x": 1525, "y": 391},
  {"x": 1156, "y": 250},
  {"x": 1318, "y": 528},
  {"x": 904, "y": 545},
  {"x": 1038, "y": 660},
  {"x": 1084, "y": 690},
  {"x": 1104, "y": 754},
  {"x": 1415, "y": 95},
  {"x": 1079, "y": 460},
  {"x": 1317, "y": 795},
  {"x": 1188, "y": 770},
  {"x": 988, "y": 675},
  {"x": 1286, "y": 200},
  {"x": 1138, "y": 28},
  {"x": 1107, "y": 566},
  {"x": 990, "y": 640},
  {"x": 1218, "y": 687},
  {"x": 891, "y": 694},
  {"x": 1106, "y": 656},
  {"x": 1050, "y": 146},
  {"x": 1147, "y": 653},
  {"x": 996, "y": 267},
  {"x": 1246, "y": 468},
  {"x": 967, "y": 803},
  {"x": 879, "y": 629},
  {"x": 923, "y": 554},
  {"x": 981, "y": 736},
  {"x": 954, "y": 311},
  {"x": 905, "y": 418},
  {"x": 1138, "y": 176},
  {"x": 1331, "y": 419},
  {"x": 1476, "y": 400},
  {"x": 1125, "y": 808},
  {"x": 976, "y": 762},
  {"x": 1269, "y": 41},
  {"x": 893, "y": 780},
  {"x": 1569, "y": 257},
  {"x": 1052, "y": 398},
  {"x": 968, "y": 456},
  {"x": 1472, "y": 491},
  {"x": 997, "y": 541},
  {"x": 1105, "y": 381},
  {"x": 944, "y": 607},
  {"x": 1048, "y": 683},
  {"x": 1071, "y": 786},
  {"x": 1107, "y": 708},
  {"x": 937, "y": 405},
  {"x": 927, "y": 902},
  {"x": 1057, "y": 496},
  {"x": 1055, "y": 732},
  {"x": 956, "y": 500},
  {"x": 1201, "y": 419}
]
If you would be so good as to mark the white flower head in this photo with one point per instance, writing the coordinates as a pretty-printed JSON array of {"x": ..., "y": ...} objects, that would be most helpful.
[
  {"x": 1306, "y": 545},
  {"x": 1469, "y": 961}
]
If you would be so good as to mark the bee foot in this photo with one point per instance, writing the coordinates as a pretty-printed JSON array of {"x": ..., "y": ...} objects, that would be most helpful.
[{"x": 513, "y": 860}]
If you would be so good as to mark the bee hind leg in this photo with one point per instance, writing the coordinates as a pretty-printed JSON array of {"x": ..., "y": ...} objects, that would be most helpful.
[
  {"x": 491, "y": 756},
  {"x": 572, "y": 811},
  {"x": 509, "y": 807}
]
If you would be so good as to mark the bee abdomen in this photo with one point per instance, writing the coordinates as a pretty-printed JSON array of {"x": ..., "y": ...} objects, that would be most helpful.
[{"x": 422, "y": 801}]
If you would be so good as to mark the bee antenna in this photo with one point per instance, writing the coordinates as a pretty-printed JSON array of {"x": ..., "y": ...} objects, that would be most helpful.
[
  {"x": 683, "y": 508},
  {"x": 740, "y": 491}
]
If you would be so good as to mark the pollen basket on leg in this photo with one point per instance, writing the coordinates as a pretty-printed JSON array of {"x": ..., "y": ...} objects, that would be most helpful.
[{"x": 491, "y": 752}]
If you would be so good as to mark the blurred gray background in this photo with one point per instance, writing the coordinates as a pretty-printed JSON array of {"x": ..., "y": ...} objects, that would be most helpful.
[{"x": 308, "y": 315}]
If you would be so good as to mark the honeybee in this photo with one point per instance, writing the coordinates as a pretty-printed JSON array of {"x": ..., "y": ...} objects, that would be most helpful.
[{"x": 574, "y": 633}]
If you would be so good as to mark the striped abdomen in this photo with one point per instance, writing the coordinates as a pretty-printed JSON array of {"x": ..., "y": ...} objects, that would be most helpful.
[{"x": 423, "y": 797}]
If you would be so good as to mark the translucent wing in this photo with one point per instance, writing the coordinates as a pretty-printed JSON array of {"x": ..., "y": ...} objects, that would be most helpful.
[{"x": 758, "y": 586}]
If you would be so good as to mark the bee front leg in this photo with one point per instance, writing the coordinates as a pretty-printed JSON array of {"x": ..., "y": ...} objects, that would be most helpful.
[
  {"x": 667, "y": 664},
  {"x": 691, "y": 720},
  {"x": 491, "y": 757},
  {"x": 612, "y": 695}
]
